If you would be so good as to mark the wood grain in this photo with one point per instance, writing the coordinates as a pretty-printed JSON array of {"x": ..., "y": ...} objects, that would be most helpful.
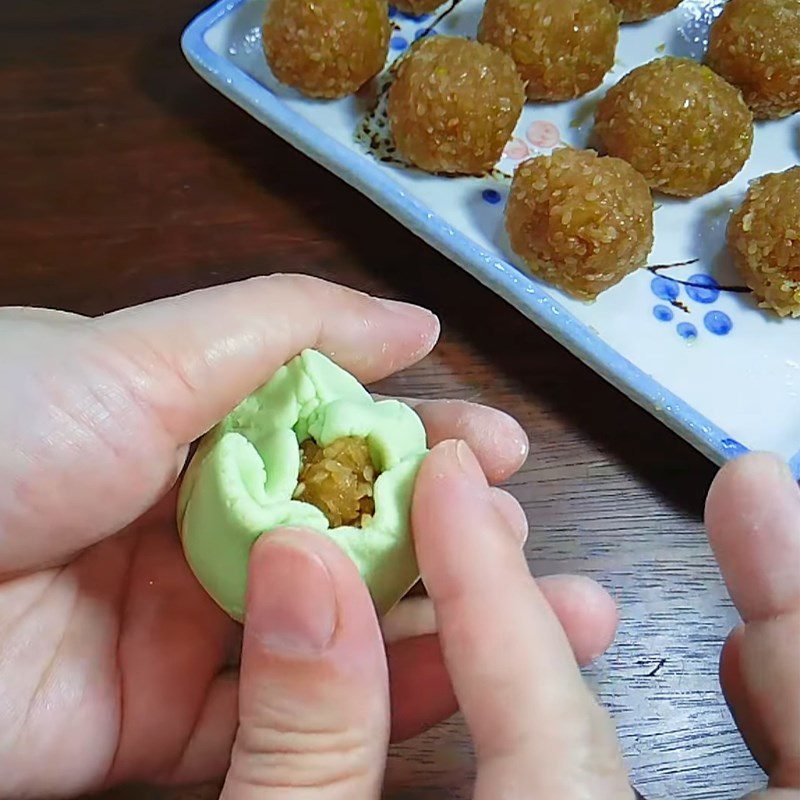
[{"x": 125, "y": 178}]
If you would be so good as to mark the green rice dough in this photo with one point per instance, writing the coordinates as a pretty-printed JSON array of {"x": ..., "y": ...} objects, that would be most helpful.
[{"x": 241, "y": 480}]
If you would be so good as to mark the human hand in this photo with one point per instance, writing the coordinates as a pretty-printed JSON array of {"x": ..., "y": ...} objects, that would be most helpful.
[
  {"x": 314, "y": 697},
  {"x": 114, "y": 664},
  {"x": 753, "y": 521},
  {"x": 314, "y": 701}
]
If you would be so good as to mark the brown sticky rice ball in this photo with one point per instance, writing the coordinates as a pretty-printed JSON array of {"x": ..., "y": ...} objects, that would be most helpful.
[
  {"x": 637, "y": 10},
  {"x": 755, "y": 44},
  {"x": 454, "y": 104},
  {"x": 580, "y": 222},
  {"x": 339, "y": 480},
  {"x": 326, "y": 48},
  {"x": 417, "y": 7},
  {"x": 562, "y": 48},
  {"x": 764, "y": 241},
  {"x": 683, "y": 127}
]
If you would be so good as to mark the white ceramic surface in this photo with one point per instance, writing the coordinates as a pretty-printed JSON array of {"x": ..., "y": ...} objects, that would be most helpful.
[{"x": 718, "y": 370}]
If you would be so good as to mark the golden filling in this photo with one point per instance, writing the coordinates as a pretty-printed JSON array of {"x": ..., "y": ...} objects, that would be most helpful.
[{"x": 338, "y": 480}]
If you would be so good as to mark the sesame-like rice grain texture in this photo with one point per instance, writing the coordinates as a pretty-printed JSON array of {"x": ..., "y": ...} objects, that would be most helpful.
[
  {"x": 677, "y": 122},
  {"x": 417, "y": 7},
  {"x": 637, "y": 10},
  {"x": 579, "y": 221},
  {"x": 755, "y": 44},
  {"x": 764, "y": 241},
  {"x": 562, "y": 48},
  {"x": 453, "y": 105},
  {"x": 326, "y": 48}
]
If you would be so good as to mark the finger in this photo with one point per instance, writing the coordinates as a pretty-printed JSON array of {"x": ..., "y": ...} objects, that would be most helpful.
[
  {"x": 14, "y": 314},
  {"x": 760, "y": 674},
  {"x": 497, "y": 439},
  {"x": 586, "y": 611},
  {"x": 421, "y": 691},
  {"x": 536, "y": 727},
  {"x": 512, "y": 512},
  {"x": 743, "y": 707},
  {"x": 753, "y": 521},
  {"x": 199, "y": 354},
  {"x": 207, "y": 753},
  {"x": 421, "y": 696},
  {"x": 420, "y": 688},
  {"x": 411, "y": 617},
  {"x": 313, "y": 697}
]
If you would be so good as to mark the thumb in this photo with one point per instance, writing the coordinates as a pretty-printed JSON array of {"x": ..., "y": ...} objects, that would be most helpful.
[{"x": 313, "y": 697}]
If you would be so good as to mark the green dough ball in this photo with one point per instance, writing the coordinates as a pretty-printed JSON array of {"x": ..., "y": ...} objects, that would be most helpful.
[{"x": 242, "y": 479}]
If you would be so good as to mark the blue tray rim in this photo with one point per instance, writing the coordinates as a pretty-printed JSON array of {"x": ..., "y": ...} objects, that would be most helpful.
[{"x": 493, "y": 272}]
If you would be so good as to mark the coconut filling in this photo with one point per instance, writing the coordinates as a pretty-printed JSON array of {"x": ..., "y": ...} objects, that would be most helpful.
[{"x": 339, "y": 480}]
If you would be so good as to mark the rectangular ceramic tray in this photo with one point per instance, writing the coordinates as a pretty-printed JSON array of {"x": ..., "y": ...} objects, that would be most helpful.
[{"x": 706, "y": 361}]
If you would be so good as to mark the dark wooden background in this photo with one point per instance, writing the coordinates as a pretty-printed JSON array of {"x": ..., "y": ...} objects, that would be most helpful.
[{"x": 123, "y": 177}]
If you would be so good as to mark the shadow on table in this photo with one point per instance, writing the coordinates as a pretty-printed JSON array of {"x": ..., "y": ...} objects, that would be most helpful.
[{"x": 531, "y": 363}]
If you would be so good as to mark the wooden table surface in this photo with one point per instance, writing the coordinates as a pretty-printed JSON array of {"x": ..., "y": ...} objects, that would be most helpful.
[{"x": 123, "y": 177}]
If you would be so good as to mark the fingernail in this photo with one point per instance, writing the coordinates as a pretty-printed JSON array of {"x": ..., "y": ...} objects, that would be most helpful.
[
  {"x": 784, "y": 473},
  {"x": 415, "y": 315},
  {"x": 414, "y": 616},
  {"x": 468, "y": 463},
  {"x": 405, "y": 309},
  {"x": 512, "y": 513},
  {"x": 291, "y": 601}
]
